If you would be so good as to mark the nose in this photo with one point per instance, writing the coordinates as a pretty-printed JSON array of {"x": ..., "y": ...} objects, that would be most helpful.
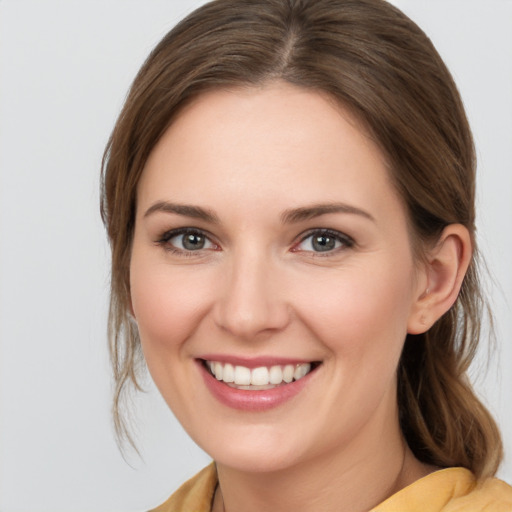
[{"x": 252, "y": 299}]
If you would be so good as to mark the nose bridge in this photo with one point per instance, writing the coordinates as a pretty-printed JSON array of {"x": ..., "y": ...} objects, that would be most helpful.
[{"x": 251, "y": 301}]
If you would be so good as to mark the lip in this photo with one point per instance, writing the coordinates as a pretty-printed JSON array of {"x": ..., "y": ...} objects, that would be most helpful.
[{"x": 257, "y": 400}]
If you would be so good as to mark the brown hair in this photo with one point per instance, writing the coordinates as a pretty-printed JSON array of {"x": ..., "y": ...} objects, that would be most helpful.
[{"x": 376, "y": 62}]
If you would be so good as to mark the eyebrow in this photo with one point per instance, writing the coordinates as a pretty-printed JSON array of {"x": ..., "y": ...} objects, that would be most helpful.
[
  {"x": 301, "y": 214},
  {"x": 195, "y": 212},
  {"x": 290, "y": 216}
]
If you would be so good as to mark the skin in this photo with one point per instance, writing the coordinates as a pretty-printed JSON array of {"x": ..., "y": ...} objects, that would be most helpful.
[{"x": 258, "y": 288}]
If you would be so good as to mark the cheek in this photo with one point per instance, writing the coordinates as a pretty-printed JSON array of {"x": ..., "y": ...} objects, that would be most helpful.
[
  {"x": 167, "y": 305},
  {"x": 361, "y": 318},
  {"x": 359, "y": 310}
]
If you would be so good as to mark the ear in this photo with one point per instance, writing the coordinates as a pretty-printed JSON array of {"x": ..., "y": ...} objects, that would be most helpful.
[{"x": 443, "y": 272}]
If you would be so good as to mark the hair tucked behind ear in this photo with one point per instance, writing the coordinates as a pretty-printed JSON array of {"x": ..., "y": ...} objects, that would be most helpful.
[
  {"x": 444, "y": 422},
  {"x": 378, "y": 64}
]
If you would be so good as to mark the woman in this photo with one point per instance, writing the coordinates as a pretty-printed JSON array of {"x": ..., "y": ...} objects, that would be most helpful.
[{"x": 289, "y": 197}]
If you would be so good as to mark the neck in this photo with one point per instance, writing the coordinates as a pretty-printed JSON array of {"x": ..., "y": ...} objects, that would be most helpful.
[{"x": 353, "y": 479}]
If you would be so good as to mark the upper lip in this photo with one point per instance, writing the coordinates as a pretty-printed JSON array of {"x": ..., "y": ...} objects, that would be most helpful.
[{"x": 254, "y": 362}]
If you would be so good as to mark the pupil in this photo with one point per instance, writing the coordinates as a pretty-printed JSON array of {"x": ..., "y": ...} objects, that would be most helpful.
[
  {"x": 193, "y": 242},
  {"x": 323, "y": 243}
]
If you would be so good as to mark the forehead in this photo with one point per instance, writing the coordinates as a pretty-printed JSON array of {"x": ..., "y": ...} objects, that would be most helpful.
[{"x": 278, "y": 142}]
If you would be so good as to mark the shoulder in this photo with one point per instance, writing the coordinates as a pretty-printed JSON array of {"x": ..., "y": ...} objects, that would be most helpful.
[
  {"x": 490, "y": 495},
  {"x": 195, "y": 495},
  {"x": 451, "y": 490}
]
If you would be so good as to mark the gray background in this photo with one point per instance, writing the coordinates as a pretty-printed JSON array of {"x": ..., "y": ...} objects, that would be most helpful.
[{"x": 65, "y": 67}]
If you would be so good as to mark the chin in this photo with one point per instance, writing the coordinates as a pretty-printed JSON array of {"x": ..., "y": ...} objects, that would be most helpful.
[
  {"x": 253, "y": 461},
  {"x": 256, "y": 450}
]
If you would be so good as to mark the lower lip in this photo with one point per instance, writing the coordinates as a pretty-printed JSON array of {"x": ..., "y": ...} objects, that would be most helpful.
[{"x": 258, "y": 400}]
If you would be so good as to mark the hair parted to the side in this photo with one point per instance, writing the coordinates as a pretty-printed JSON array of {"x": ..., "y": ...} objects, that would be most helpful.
[{"x": 377, "y": 63}]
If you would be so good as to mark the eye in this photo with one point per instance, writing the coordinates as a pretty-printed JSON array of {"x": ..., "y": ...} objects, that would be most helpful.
[
  {"x": 324, "y": 241},
  {"x": 186, "y": 240}
]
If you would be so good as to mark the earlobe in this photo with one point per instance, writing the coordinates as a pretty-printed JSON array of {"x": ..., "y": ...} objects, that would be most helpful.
[{"x": 445, "y": 267}]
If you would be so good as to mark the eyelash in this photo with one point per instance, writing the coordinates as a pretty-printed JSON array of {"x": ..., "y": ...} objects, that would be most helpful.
[
  {"x": 345, "y": 241},
  {"x": 164, "y": 240}
]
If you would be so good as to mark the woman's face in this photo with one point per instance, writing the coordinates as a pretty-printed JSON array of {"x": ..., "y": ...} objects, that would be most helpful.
[{"x": 269, "y": 242}]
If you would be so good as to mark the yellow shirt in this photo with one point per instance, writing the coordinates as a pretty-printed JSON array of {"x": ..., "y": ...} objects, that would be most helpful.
[{"x": 447, "y": 490}]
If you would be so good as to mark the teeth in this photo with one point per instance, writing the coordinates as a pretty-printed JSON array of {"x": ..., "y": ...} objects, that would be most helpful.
[
  {"x": 268, "y": 377},
  {"x": 301, "y": 371},
  {"x": 288, "y": 373},
  {"x": 276, "y": 375},
  {"x": 229, "y": 373},
  {"x": 218, "y": 371},
  {"x": 259, "y": 376},
  {"x": 242, "y": 376}
]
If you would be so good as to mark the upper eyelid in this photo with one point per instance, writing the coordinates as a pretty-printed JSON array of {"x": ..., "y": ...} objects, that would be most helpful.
[
  {"x": 171, "y": 233},
  {"x": 163, "y": 241},
  {"x": 333, "y": 232},
  {"x": 347, "y": 242}
]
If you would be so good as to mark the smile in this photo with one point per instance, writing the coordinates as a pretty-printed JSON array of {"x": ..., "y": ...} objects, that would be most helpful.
[
  {"x": 263, "y": 377},
  {"x": 257, "y": 385}
]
